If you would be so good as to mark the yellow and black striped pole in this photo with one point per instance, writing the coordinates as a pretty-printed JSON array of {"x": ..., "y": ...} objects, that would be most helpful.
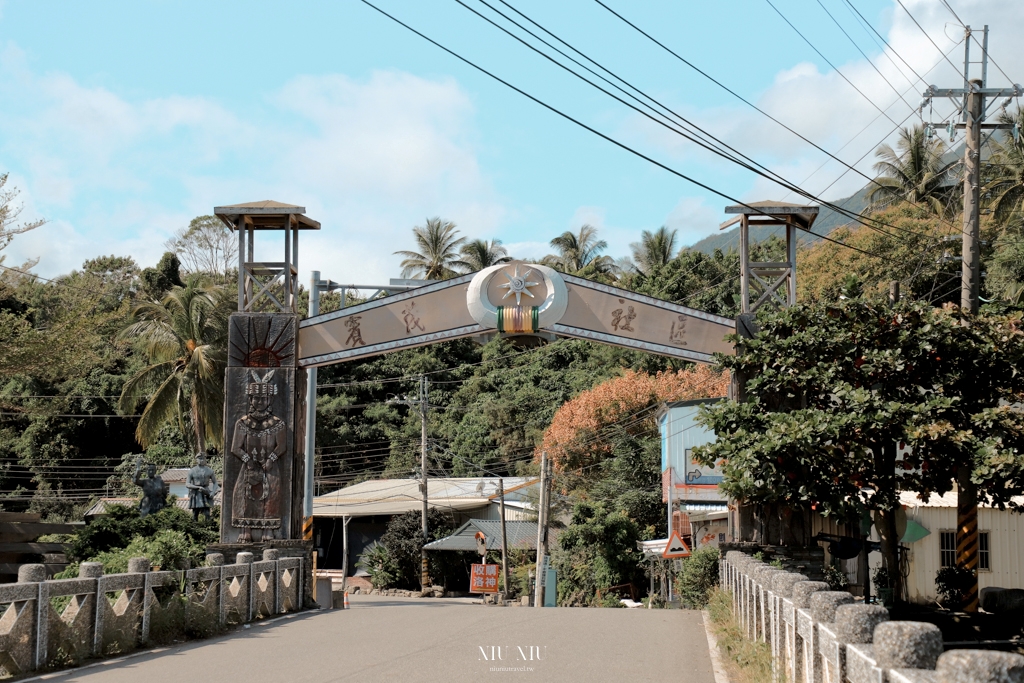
[{"x": 967, "y": 537}]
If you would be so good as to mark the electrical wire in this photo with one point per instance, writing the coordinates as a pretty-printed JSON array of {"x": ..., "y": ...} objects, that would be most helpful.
[
  {"x": 735, "y": 156},
  {"x": 571, "y": 119},
  {"x": 820, "y": 54}
]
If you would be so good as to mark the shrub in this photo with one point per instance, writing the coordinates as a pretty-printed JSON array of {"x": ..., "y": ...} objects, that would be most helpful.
[
  {"x": 836, "y": 578},
  {"x": 379, "y": 564},
  {"x": 952, "y": 583},
  {"x": 404, "y": 542},
  {"x": 122, "y": 525},
  {"x": 698, "y": 577},
  {"x": 166, "y": 549}
]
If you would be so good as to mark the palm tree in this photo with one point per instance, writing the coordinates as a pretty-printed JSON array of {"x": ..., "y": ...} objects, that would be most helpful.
[
  {"x": 654, "y": 249},
  {"x": 480, "y": 254},
  {"x": 184, "y": 339},
  {"x": 577, "y": 251},
  {"x": 1006, "y": 166},
  {"x": 438, "y": 255},
  {"x": 915, "y": 174}
]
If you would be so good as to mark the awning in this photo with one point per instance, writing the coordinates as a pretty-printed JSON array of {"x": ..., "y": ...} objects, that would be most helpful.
[{"x": 521, "y": 535}]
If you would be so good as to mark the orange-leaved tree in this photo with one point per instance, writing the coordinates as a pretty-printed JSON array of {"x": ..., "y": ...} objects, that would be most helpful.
[{"x": 583, "y": 430}]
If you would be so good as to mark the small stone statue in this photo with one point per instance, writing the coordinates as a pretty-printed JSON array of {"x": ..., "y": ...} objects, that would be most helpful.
[
  {"x": 202, "y": 487},
  {"x": 154, "y": 490}
]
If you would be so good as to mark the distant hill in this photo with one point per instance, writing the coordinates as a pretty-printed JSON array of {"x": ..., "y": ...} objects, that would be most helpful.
[{"x": 827, "y": 221}]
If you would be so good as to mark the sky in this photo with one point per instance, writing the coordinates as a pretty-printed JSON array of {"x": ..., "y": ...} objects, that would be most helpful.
[{"x": 119, "y": 122}]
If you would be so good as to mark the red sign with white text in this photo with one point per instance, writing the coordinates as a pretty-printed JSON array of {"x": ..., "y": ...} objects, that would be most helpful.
[{"x": 484, "y": 578}]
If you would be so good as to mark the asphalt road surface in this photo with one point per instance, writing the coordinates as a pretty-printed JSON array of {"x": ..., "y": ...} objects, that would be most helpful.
[{"x": 410, "y": 640}]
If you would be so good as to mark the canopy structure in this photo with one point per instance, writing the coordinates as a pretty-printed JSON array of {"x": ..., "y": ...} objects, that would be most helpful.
[
  {"x": 521, "y": 535},
  {"x": 397, "y": 496}
]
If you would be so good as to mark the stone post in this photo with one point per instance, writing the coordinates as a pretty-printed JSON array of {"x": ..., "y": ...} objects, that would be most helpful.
[
  {"x": 855, "y": 627},
  {"x": 272, "y": 554},
  {"x": 142, "y": 565},
  {"x": 36, "y": 573},
  {"x": 94, "y": 570},
  {"x": 823, "y": 613},
  {"x": 246, "y": 558},
  {"x": 785, "y": 621},
  {"x": 805, "y": 642}
]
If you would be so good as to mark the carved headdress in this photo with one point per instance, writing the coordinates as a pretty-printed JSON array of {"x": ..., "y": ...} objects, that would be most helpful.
[{"x": 261, "y": 386}]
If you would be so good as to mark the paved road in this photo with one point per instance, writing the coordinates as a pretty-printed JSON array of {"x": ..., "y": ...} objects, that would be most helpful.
[{"x": 407, "y": 640}]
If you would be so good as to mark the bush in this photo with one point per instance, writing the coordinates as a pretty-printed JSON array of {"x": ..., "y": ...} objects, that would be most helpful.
[
  {"x": 952, "y": 583},
  {"x": 122, "y": 525},
  {"x": 836, "y": 578},
  {"x": 167, "y": 549},
  {"x": 379, "y": 564},
  {"x": 698, "y": 577},
  {"x": 403, "y": 540}
]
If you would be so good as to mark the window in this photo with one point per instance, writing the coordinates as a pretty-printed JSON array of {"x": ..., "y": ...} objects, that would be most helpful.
[{"x": 947, "y": 549}]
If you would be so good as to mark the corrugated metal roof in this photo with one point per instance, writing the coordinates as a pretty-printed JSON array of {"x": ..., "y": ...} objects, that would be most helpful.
[
  {"x": 518, "y": 534},
  {"x": 946, "y": 500},
  {"x": 396, "y": 496},
  {"x": 175, "y": 475}
]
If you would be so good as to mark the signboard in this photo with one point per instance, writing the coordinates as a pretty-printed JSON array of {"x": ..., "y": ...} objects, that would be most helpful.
[
  {"x": 483, "y": 578},
  {"x": 680, "y": 434},
  {"x": 675, "y": 547}
]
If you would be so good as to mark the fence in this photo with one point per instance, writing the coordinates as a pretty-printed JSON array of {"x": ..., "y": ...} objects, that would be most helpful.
[
  {"x": 58, "y": 623},
  {"x": 822, "y": 636}
]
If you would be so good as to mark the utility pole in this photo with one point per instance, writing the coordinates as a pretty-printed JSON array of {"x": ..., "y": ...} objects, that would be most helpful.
[
  {"x": 504, "y": 537},
  {"x": 973, "y": 95},
  {"x": 542, "y": 532},
  {"x": 424, "y": 572}
]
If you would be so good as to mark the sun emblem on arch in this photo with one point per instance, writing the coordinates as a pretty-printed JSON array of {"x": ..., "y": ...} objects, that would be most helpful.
[{"x": 518, "y": 285}]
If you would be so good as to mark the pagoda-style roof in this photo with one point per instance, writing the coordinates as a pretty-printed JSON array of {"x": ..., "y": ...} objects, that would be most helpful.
[{"x": 265, "y": 215}]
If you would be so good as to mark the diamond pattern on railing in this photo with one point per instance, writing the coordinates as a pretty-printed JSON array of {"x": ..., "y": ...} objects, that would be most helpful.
[
  {"x": 234, "y": 587},
  {"x": 262, "y": 582},
  {"x": 16, "y": 638}
]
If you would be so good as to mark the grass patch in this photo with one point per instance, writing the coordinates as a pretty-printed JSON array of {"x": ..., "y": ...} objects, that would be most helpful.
[{"x": 746, "y": 661}]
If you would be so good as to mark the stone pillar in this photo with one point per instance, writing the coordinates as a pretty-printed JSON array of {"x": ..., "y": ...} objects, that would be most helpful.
[
  {"x": 264, "y": 430},
  {"x": 979, "y": 666},
  {"x": 804, "y": 641},
  {"x": 855, "y": 628},
  {"x": 823, "y": 613}
]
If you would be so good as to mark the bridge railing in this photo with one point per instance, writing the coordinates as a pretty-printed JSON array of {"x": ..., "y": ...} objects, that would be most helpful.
[
  {"x": 821, "y": 636},
  {"x": 59, "y": 623}
]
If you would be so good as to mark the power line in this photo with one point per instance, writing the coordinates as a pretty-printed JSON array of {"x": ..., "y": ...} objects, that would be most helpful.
[
  {"x": 884, "y": 41},
  {"x": 766, "y": 172},
  {"x": 862, "y": 53},
  {"x": 900, "y": 2}
]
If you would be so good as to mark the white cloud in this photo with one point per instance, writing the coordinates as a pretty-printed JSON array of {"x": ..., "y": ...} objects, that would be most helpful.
[{"x": 368, "y": 158}]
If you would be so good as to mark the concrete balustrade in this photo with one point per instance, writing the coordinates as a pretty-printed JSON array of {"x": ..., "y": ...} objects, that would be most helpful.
[
  {"x": 822, "y": 636},
  {"x": 58, "y": 623}
]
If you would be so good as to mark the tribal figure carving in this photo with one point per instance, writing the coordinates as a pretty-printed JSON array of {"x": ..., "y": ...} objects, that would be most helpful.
[{"x": 260, "y": 438}]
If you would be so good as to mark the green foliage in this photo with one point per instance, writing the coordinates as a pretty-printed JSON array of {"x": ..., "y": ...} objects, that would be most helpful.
[
  {"x": 747, "y": 661},
  {"x": 596, "y": 552},
  {"x": 167, "y": 549},
  {"x": 833, "y": 388},
  {"x": 836, "y": 578},
  {"x": 403, "y": 541},
  {"x": 157, "y": 281},
  {"x": 122, "y": 525},
  {"x": 698, "y": 578},
  {"x": 952, "y": 584},
  {"x": 379, "y": 564}
]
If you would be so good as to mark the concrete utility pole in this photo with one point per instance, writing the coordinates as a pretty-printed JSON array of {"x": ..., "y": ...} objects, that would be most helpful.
[
  {"x": 542, "y": 531},
  {"x": 974, "y": 93},
  {"x": 424, "y": 571},
  {"x": 504, "y": 536},
  {"x": 308, "y": 489}
]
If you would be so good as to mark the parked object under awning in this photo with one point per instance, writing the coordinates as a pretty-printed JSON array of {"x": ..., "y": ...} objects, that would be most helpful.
[{"x": 522, "y": 535}]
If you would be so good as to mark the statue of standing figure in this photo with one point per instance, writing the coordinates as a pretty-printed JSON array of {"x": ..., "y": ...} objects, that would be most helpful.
[
  {"x": 154, "y": 490},
  {"x": 260, "y": 438},
  {"x": 202, "y": 487}
]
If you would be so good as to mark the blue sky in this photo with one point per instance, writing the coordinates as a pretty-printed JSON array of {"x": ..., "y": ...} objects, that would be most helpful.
[{"x": 121, "y": 121}]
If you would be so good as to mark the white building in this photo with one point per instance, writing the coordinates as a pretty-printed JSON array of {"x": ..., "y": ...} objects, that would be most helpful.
[{"x": 1000, "y": 547}]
